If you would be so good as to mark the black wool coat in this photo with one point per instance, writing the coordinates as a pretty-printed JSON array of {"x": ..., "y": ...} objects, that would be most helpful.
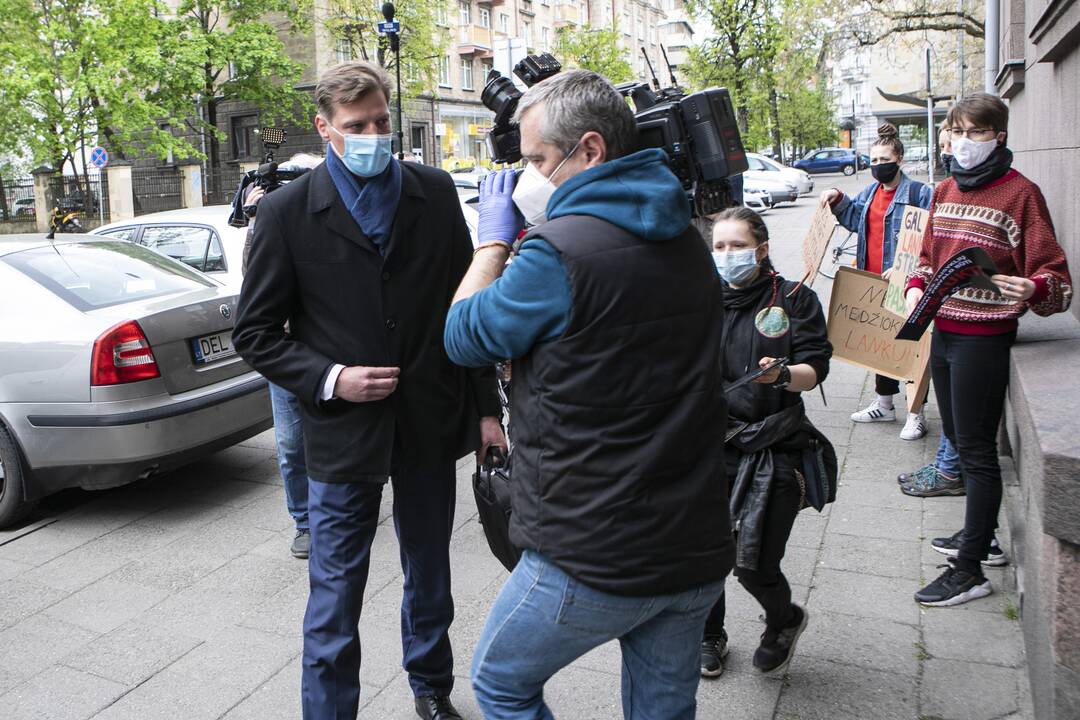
[{"x": 311, "y": 265}]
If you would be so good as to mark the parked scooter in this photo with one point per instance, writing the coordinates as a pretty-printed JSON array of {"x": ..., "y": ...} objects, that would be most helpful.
[{"x": 64, "y": 222}]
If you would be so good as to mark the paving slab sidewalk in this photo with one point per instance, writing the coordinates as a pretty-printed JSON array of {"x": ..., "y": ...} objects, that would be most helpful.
[{"x": 177, "y": 598}]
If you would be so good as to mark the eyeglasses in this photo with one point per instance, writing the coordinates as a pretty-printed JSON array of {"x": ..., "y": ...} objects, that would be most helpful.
[{"x": 971, "y": 133}]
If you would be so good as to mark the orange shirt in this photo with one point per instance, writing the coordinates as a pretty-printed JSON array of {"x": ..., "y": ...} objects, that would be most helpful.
[{"x": 875, "y": 228}]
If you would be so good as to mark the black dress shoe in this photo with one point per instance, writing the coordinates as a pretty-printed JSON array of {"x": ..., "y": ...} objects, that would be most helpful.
[{"x": 433, "y": 707}]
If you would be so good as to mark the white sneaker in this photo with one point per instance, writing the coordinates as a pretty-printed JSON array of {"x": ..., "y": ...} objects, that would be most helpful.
[
  {"x": 874, "y": 413},
  {"x": 914, "y": 427}
]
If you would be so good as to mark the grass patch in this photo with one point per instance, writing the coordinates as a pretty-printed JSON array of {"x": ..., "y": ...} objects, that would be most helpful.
[
  {"x": 1011, "y": 611},
  {"x": 920, "y": 652}
]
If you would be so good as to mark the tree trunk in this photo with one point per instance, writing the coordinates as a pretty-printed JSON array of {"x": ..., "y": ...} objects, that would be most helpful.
[
  {"x": 3, "y": 200},
  {"x": 742, "y": 109},
  {"x": 774, "y": 112},
  {"x": 213, "y": 150}
]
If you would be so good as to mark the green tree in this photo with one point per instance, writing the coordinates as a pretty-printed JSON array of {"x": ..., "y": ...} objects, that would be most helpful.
[
  {"x": 73, "y": 71},
  {"x": 593, "y": 49},
  {"x": 220, "y": 51},
  {"x": 424, "y": 38}
]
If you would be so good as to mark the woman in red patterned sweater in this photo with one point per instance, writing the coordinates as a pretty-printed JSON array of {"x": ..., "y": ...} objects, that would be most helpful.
[{"x": 984, "y": 204}]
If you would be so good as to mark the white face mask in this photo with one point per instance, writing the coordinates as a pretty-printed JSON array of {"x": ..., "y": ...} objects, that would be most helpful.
[
  {"x": 970, "y": 154},
  {"x": 533, "y": 191}
]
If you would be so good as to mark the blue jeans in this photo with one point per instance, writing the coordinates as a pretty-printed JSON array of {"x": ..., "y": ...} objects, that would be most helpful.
[
  {"x": 289, "y": 438},
  {"x": 344, "y": 517},
  {"x": 947, "y": 461},
  {"x": 543, "y": 620}
]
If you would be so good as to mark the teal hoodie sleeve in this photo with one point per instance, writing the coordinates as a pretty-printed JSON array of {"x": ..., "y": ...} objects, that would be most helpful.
[{"x": 530, "y": 303}]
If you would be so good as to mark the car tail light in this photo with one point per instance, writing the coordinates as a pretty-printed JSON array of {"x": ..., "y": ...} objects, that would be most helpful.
[{"x": 122, "y": 355}]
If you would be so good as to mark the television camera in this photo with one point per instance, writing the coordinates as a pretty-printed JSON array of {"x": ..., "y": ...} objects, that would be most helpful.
[
  {"x": 269, "y": 176},
  {"x": 698, "y": 131}
]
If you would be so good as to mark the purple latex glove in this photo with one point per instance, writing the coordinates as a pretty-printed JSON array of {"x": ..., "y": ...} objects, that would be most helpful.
[{"x": 500, "y": 220}]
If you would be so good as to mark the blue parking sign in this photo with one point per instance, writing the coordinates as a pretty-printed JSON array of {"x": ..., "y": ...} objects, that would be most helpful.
[{"x": 390, "y": 26}]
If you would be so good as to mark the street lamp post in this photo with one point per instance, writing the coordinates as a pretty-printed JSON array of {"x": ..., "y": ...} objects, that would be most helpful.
[{"x": 395, "y": 47}]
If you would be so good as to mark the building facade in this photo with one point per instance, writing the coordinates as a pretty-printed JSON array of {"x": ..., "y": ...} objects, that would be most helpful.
[{"x": 1038, "y": 56}]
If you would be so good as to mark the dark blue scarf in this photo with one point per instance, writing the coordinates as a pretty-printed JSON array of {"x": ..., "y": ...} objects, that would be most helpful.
[{"x": 372, "y": 202}]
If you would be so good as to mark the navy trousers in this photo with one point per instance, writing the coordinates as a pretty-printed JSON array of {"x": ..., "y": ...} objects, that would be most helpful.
[{"x": 343, "y": 518}]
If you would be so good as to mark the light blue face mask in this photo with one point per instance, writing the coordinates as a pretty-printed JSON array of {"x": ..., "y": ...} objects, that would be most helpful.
[
  {"x": 737, "y": 267},
  {"x": 365, "y": 155}
]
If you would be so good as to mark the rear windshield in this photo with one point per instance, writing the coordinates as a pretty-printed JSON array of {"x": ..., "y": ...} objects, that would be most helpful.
[{"x": 94, "y": 275}]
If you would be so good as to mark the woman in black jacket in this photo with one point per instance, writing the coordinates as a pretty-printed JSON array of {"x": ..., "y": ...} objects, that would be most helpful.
[{"x": 766, "y": 317}]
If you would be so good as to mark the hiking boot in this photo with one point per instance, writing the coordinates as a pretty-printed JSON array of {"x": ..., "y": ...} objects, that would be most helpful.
[
  {"x": 950, "y": 547},
  {"x": 713, "y": 651},
  {"x": 301, "y": 544},
  {"x": 933, "y": 485},
  {"x": 874, "y": 412},
  {"x": 924, "y": 471},
  {"x": 955, "y": 586},
  {"x": 777, "y": 646}
]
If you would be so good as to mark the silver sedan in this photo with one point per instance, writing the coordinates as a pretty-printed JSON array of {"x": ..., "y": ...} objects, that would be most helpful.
[{"x": 116, "y": 363}]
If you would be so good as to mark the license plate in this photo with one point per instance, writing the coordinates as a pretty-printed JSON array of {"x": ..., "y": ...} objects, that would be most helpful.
[{"x": 209, "y": 348}]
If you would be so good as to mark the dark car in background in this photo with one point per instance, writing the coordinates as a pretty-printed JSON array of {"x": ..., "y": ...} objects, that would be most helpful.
[{"x": 829, "y": 160}]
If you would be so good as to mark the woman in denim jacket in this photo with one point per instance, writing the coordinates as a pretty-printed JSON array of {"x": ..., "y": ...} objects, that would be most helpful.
[{"x": 876, "y": 214}]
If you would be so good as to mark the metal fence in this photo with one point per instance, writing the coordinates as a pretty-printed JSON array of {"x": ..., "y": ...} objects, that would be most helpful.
[
  {"x": 156, "y": 189},
  {"x": 86, "y": 195},
  {"x": 16, "y": 199}
]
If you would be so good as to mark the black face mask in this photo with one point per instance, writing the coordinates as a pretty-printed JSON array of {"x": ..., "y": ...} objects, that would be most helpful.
[{"x": 885, "y": 172}]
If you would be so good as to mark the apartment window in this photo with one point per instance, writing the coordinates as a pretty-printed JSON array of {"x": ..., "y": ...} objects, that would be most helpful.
[
  {"x": 465, "y": 13},
  {"x": 526, "y": 33},
  {"x": 441, "y": 17},
  {"x": 485, "y": 70},
  {"x": 504, "y": 23},
  {"x": 544, "y": 38},
  {"x": 627, "y": 22},
  {"x": 444, "y": 71},
  {"x": 466, "y": 74},
  {"x": 344, "y": 50},
  {"x": 545, "y": 2},
  {"x": 640, "y": 27},
  {"x": 485, "y": 18},
  {"x": 245, "y": 138},
  {"x": 652, "y": 35}
]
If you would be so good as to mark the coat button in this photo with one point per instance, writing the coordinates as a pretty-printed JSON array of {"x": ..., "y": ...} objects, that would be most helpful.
[
  {"x": 385, "y": 276},
  {"x": 391, "y": 324}
]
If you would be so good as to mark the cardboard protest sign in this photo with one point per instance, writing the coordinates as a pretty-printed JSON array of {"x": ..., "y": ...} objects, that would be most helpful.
[
  {"x": 971, "y": 267},
  {"x": 863, "y": 332},
  {"x": 908, "y": 246},
  {"x": 816, "y": 243}
]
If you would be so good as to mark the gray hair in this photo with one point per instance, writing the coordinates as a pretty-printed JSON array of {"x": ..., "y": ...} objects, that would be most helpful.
[
  {"x": 302, "y": 160},
  {"x": 576, "y": 102}
]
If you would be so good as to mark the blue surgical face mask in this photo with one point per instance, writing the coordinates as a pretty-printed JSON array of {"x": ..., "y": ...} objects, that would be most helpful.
[
  {"x": 365, "y": 155},
  {"x": 737, "y": 267}
]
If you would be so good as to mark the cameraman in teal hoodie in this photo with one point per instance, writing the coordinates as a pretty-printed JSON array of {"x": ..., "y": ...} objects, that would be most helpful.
[{"x": 611, "y": 313}]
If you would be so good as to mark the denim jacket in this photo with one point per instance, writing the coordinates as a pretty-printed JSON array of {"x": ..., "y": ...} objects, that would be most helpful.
[{"x": 851, "y": 213}]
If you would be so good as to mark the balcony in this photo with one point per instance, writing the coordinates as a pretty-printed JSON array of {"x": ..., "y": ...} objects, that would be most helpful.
[
  {"x": 476, "y": 41},
  {"x": 567, "y": 14},
  {"x": 492, "y": 3}
]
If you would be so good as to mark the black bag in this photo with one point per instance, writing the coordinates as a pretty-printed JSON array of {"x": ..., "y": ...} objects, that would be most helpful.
[{"x": 491, "y": 487}]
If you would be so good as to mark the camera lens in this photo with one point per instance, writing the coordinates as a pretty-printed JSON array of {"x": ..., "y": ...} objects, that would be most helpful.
[{"x": 500, "y": 96}]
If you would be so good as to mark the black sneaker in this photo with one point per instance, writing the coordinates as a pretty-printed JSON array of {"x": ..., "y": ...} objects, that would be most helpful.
[
  {"x": 954, "y": 587},
  {"x": 777, "y": 646},
  {"x": 713, "y": 651},
  {"x": 301, "y": 544},
  {"x": 950, "y": 547}
]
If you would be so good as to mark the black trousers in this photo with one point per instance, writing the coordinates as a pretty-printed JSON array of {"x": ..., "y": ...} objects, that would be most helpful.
[
  {"x": 971, "y": 374},
  {"x": 886, "y": 385},
  {"x": 767, "y": 584}
]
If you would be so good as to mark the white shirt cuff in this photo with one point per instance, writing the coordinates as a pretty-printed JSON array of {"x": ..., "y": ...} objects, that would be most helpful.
[{"x": 331, "y": 382}]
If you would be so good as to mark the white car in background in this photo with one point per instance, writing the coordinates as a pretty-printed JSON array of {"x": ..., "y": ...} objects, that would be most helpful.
[
  {"x": 201, "y": 238},
  {"x": 757, "y": 200},
  {"x": 764, "y": 168}
]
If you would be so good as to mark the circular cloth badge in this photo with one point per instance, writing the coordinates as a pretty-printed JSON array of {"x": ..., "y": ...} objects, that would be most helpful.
[{"x": 772, "y": 322}]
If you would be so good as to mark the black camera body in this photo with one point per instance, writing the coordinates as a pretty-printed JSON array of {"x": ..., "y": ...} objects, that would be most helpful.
[
  {"x": 698, "y": 131},
  {"x": 268, "y": 176}
]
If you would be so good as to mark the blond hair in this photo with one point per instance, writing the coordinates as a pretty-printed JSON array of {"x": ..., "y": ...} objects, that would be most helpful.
[{"x": 348, "y": 82}]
